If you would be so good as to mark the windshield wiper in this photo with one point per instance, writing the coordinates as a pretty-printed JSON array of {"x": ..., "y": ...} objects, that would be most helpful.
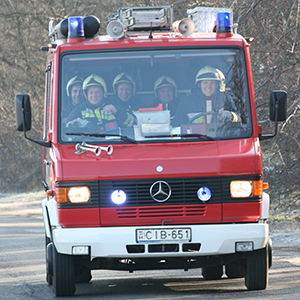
[
  {"x": 198, "y": 135},
  {"x": 122, "y": 137}
]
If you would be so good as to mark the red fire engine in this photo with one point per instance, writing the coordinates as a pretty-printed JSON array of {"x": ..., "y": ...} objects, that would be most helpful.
[{"x": 158, "y": 165}]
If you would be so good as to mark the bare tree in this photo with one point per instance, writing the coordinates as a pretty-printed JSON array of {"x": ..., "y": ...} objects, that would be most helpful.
[{"x": 275, "y": 58}]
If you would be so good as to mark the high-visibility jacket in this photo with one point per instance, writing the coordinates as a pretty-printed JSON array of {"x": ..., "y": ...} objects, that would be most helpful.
[{"x": 93, "y": 116}]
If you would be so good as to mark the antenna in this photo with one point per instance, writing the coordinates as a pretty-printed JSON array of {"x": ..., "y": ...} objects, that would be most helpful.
[{"x": 150, "y": 35}]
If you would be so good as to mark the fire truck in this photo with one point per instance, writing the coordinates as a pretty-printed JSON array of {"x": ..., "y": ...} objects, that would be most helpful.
[{"x": 160, "y": 189}]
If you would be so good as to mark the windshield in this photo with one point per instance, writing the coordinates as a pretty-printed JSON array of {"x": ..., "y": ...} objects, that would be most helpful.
[{"x": 154, "y": 96}]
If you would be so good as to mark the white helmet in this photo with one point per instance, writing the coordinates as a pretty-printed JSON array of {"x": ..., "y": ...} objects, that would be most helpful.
[
  {"x": 94, "y": 80},
  {"x": 73, "y": 81},
  {"x": 163, "y": 81},
  {"x": 208, "y": 73},
  {"x": 124, "y": 78}
]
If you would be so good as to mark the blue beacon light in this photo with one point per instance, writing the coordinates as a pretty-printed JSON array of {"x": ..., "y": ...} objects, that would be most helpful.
[
  {"x": 224, "y": 22},
  {"x": 75, "y": 26}
]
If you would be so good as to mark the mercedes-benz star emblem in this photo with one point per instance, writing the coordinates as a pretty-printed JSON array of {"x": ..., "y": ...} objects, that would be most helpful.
[{"x": 160, "y": 191}]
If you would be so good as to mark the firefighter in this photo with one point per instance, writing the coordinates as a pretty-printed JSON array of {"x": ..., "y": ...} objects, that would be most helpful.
[
  {"x": 74, "y": 90},
  {"x": 165, "y": 90},
  {"x": 124, "y": 100},
  {"x": 209, "y": 103},
  {"x": 96, "y": 111},
  {"x": 74, "y": 93}
]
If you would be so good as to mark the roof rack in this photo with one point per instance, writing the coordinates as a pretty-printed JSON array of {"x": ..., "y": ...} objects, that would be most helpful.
[{"x": 144, "y": 18}]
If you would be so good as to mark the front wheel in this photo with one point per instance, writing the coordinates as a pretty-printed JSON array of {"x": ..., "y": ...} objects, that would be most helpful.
[
  {"x": 63, "y": 274},
  {"x": 257, "y": 269},
  {"x": 270, "y": 245},
  {"x": 235, "y": 270},
  {"x": 49, "y": 257},
  {"x": 212, "y": 273}
]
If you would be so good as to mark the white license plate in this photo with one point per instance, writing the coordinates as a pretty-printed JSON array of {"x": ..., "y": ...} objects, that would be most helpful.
[{"x": 169, "y": 235}]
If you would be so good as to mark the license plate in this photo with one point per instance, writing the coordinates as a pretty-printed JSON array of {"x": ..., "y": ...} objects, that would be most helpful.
[{"x": 169, "y": 235}]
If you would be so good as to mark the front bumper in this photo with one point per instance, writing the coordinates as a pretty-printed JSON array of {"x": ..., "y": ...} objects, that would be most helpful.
[{"x": 111, "y": 242}]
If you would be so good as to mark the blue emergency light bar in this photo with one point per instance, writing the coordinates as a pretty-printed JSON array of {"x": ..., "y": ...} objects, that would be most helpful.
[
  {"x": 75, "y": 26},
  {"x": 224, "y": 22}
]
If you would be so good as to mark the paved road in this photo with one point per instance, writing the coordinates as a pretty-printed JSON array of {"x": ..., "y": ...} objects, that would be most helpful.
[{"x": 22, "y": 267}]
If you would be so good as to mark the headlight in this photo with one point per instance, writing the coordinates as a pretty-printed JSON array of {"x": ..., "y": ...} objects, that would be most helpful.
[
  {"x": 246, "y": 188},
  {"x": 240, "y": 189},
  {"x": 79, "y": 194}
]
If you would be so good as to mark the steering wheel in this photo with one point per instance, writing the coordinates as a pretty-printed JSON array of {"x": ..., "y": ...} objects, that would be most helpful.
[{"x": 195, "y": 117}]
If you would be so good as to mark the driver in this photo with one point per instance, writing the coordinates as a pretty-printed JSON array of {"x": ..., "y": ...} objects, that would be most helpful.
[
  {"x": 209, "y": 103},
  {"x": 95, "y": 112}
]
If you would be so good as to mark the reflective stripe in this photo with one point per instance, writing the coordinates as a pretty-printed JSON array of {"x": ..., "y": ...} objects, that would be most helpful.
[
  {"x": 88, "y": 115},
  {"x": 235, "y": 117},
  {"x": 99, "y": 114},
  {"x": 129, "y": 121}
]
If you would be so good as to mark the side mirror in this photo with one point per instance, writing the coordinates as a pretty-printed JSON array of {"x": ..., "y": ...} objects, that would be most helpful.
[
  {"x": 278, "y": 111},
  {"x": 23, "y": 117},
  {"x": 278, "y": 106},
  {"x": 23, "y": 112}
]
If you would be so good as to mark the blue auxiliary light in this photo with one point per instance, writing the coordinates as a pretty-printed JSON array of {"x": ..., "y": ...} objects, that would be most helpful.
[
  {"x": 204, "y": 193},
  {"x": 118, "y": 197},
  {"x": 75, "y": 26},
  {"x": 224, "y": 22}
]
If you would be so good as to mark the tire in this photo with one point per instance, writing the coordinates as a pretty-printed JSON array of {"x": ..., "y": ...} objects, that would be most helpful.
[
  {"x": 49, "y": 256},
  {"x": 270, "y": 253},
  {"x": 84, "y": 277},
  {"x": 63, "y": 274},
  {"x": 235, "y": 270},
  {"x": 212, "y": 273},
  {"x": 257, "y": 269}
]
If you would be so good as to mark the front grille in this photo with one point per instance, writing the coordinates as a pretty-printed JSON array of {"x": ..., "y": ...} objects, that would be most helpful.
[
  {"x": 176, "y": 211},
  {"x": 183, "y": 195},
  {"x": 184, "y": 192}
]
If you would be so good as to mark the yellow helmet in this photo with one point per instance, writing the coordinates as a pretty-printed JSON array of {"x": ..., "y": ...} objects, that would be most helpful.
[
  {"x": 73, "y": 81},
  {"x": 94, "y": 80},
  {"x": 163, "y": 81},
  {"x": 208, "y": 73},
  {"x": 124, "y": 78}
]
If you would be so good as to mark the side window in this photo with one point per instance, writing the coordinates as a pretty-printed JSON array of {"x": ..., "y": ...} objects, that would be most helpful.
[
  {"x": 47, "y": 160},
  {"x": 47, "y": 102}
]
